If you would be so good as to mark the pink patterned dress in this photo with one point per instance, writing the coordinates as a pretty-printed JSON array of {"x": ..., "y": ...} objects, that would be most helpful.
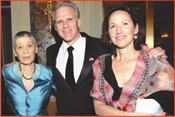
[{"x": 150, "y": 75}]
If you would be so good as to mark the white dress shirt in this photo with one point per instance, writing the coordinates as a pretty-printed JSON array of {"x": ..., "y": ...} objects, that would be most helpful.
[{"x": 78, "y": 57}]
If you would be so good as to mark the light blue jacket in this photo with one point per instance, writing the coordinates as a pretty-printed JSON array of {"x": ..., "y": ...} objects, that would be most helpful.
[{"x": 36, "y": 100}]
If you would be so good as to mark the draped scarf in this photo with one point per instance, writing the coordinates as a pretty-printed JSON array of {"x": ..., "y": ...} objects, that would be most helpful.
[{"x": 150, "y": 75}]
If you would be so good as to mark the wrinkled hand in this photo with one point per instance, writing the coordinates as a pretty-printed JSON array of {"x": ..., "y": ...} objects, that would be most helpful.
[
  {"x": 11, "y": 63},
  {"x": 157, "y": 52}
]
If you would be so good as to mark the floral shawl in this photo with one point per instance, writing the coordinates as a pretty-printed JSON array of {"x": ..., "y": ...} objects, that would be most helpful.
[{"x": 150, "y": 75}]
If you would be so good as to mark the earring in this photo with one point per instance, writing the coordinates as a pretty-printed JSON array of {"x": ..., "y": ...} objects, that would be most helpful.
[
  {"x": 135, "y": 36},
  {"x": 110, "y": 41}
]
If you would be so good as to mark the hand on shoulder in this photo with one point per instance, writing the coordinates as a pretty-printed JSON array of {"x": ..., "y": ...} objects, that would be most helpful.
[{"x": 11, "y": 63}]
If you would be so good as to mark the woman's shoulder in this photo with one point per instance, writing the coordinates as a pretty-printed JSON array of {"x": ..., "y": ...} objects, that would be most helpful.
[
  {"x": 152, "y": 60},
  {"x": 43, "y": 67},
  {"x": 103, "y": 56},
  {"x": 155, "y": 64},
  {"x": 42, "y": 70},
  {"x": 9, "y": 68},
  {"x": 101, "y": 60}
]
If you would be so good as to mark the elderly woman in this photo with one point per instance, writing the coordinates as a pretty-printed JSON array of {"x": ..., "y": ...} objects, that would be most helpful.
[
  {"x": 26, "y": 85},
  {"x": 127, "y": 81}
]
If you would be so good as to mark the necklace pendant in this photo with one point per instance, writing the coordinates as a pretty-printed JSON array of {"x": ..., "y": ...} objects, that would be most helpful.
[
  {"x": 23, "y": 75},
  {"x": 26, "y": 78}
]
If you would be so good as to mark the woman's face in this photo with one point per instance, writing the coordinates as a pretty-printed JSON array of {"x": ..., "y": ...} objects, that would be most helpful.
[
  {"x": 25, "y": 50},
  {"x": 121, "y": 29}
]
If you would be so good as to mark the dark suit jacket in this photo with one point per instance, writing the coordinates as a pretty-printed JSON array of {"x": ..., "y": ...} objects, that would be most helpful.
[
  {"x": 7, "y": 105},
  {"x": 78, "y": 102}
]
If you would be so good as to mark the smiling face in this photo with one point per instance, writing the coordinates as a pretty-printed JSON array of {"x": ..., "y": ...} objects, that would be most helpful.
[
  {"x": 25, "y": 50},
  {"x": 66, "y": 24},
  {"x": 121, "y": 29}
]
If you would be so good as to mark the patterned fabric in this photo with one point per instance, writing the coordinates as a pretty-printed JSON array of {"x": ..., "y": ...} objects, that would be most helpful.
[{"x": 150, "y": 75}]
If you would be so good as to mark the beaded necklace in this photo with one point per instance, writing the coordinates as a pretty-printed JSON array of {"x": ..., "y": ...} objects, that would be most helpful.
[{"x": 23, "y": 74}]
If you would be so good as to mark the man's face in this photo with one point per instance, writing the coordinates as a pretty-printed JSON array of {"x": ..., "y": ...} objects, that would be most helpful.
[{"x": 66, "y": 24}]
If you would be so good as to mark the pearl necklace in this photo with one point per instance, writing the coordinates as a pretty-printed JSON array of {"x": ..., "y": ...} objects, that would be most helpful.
[{"x": 23, "y": 74}]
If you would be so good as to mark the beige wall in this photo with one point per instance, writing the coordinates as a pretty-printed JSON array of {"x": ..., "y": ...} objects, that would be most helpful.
[
  {"x": 20, "y": 15},
  {"x": 90, "y": 13}
]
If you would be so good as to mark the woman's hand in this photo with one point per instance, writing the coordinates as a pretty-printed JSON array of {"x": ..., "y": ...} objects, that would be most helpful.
[
  {"x": 162, "y": 114},
  {"x": 105, "y": 110}
]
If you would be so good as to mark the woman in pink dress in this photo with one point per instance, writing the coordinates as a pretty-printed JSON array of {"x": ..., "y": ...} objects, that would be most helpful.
[{"x": 126, "y": 80}]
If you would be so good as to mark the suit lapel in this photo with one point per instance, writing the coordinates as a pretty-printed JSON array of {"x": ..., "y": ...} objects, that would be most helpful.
[
  {"x": 57, "y": 73},
  {"x": 59, "y": 77},
  {"x": 53, "y": 55},
  {"x": 90, "y": 53}
]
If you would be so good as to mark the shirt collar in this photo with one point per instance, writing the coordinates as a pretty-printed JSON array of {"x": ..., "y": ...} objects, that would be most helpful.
[
  {"x": 19, "y": 73},
  {"x": 77, "y": 45}
]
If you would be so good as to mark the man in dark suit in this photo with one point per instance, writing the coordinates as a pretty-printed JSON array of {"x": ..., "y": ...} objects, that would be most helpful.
[
  {"x": 73, "y": 96},
  {"x": 72, "y": 101}
]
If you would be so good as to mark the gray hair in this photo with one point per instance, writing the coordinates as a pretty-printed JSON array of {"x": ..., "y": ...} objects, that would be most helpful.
[
  {"x": 65, "y": 3},
  {"x": 23, "y": 34}
]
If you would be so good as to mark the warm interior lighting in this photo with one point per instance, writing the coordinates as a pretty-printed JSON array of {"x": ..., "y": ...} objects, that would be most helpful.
[
  {"x": 137, "y": 8},
  {"x": 165, "y": 35}
]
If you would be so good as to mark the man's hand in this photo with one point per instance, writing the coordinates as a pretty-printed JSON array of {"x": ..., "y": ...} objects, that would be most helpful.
[
  {"x": 11, "y": 63},
  {"x": 157, "y": 52}
]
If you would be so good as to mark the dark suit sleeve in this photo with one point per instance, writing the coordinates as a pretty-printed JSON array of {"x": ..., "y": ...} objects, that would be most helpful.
[
  {"x": 49, "y": 61},
  {"x": 47, "y": 56},
  {"x": 165, "y": 99},
  {"x": 7, "y": 106}
]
